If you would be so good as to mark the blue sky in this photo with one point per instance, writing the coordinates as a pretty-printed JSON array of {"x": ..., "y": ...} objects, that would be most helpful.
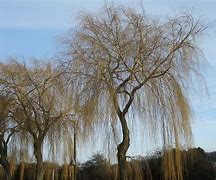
[{"x": 32, "y": 28}]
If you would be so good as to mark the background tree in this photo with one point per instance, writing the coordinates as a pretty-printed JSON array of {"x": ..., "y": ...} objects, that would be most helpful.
[
  {"x": 95, "y": 168},
  {"x": 124, "y": 63},
  {"x": 41, "y": 100}
]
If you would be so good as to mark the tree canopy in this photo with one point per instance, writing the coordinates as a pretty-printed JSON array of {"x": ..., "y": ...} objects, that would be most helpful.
[
  {"x": 41, "y": 103},
  {"x": 126, "y": 64}
]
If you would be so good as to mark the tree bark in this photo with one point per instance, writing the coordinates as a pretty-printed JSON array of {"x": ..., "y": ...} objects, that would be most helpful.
[
  {"x": 39, "y": 158},
  {"x": 3, "y": 160},
  {"x": 7, "y": 169},
  {"x": 122, "y": 149}
]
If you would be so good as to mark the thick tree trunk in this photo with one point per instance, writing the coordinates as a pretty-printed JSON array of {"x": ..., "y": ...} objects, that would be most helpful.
[
  {"x": 39, "y": 158},
  {"x": 122, "y": 149},
  {"x": 3, "y": 160},
  {"x": 7, "y": 170}
]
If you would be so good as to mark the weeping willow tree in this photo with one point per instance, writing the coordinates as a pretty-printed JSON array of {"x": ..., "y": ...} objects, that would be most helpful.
[
  {"x": 123, "y": 62},
  {"x": 42, "y": 104}
]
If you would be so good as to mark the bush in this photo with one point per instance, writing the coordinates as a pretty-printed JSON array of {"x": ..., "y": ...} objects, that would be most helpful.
[{"x": 96, "y": 168}]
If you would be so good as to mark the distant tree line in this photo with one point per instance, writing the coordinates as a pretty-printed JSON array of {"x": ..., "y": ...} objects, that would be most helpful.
[
  {"x": 211, "y": 156},
  {"x": 199, "y": 167}
]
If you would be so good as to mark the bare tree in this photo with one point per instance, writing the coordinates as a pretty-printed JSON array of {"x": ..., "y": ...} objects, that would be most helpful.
[
  {"x": 41, "y": 101},
  {"x": 123, "y": 62}
]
